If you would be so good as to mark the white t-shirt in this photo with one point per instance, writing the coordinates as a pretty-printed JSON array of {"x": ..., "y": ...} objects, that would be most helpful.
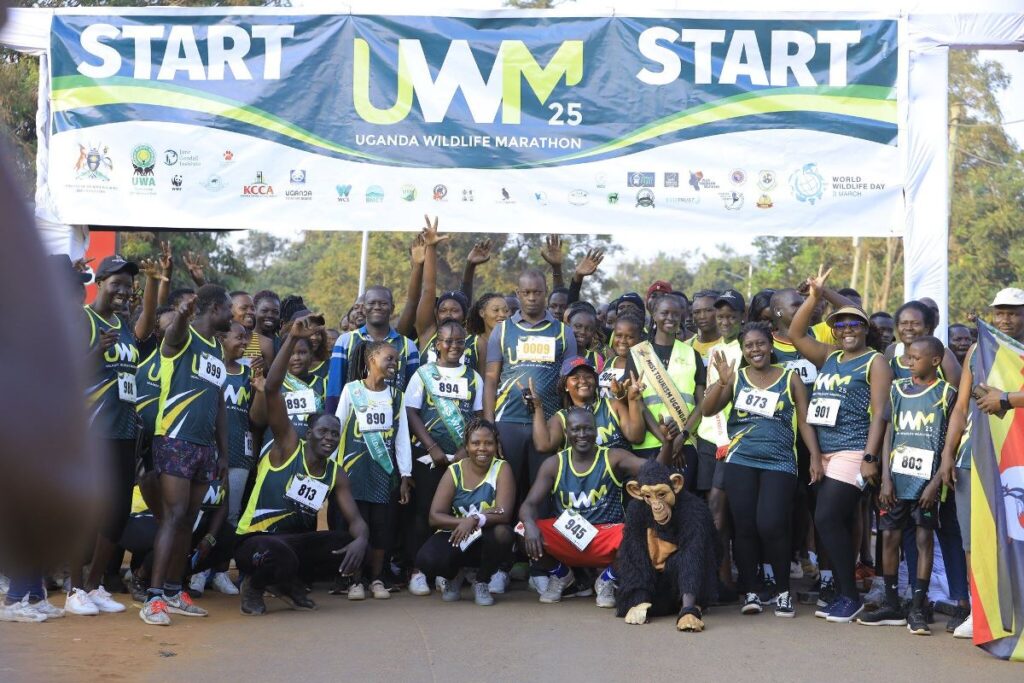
[
  {"x": 403, "y": 449},
  {"x": 715, "y": 428},
  {"x": 414, "y": 392}
]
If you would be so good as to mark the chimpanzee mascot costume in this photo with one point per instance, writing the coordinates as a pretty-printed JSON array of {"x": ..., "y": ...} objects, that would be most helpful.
[{"x": 669, "y": 557}]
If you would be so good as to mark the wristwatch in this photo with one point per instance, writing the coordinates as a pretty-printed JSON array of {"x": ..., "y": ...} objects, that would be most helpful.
[
  {"x": 870, "y": 458},
  {"x": 1004, "y": 401}
]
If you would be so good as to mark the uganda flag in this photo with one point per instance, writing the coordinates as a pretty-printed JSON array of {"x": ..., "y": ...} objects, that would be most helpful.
[{"x": 997, "y": 502}]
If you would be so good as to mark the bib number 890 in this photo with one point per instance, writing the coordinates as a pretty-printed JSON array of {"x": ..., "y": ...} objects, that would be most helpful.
[{"x": 376, "y": 419}]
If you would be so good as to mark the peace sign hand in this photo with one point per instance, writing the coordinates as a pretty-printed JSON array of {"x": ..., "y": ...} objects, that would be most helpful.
[
  {"x": 816, "y": 285},
  {"x": 431, "y": 237}
]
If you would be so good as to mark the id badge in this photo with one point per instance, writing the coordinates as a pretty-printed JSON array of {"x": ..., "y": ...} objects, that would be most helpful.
[
  {"x": 757, "y": 401},
  {"x": 307, "y": 492},
  {"x": 913, "y": 462},
  {"x": 126, "y": 387},
  {"x": 823, "y": 412},
  {"x": 576, "y": 529},
  {"x": 212, "y": 369},
  {"x": 376, "y": 418}
]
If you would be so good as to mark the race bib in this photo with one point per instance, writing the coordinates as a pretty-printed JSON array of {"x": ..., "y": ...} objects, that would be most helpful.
[
  {"x": 470, "y": 540},
  {"x": 823, "y": 412},
  {"x": 757, "y": 401},
  {"x": 804, "y": 368},
  {"x": 576, "y": 529},
  {"x": 300, "y": 402},
  {"x": 248, "y": 447},
  {"x": 212, "y": 370},
  {"x": 376, "y": 418},
  {"x": 913, "y": 462},
  {"x": 536, "y": 349},
  {"x": 454, "y": 388},
  {"x": 307, "y": 492},
  {"x": 126, "y": 387},
  {"x": 604, "y": 380}
]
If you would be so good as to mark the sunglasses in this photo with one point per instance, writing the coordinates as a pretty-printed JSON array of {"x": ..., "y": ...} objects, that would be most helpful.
[{"x": 848, "y": 325}]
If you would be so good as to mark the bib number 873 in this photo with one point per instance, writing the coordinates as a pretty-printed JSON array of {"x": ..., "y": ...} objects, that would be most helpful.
[{"x": 757, "y": 401}]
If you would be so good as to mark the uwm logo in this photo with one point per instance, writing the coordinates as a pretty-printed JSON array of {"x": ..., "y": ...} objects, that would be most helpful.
[
  {"x": 238, "y": 396},
  {"x": 121, "y": 353},
  {"x": 830, "y": 382},
  {"x": 466, "y": 512},
  {"x": 459, "y": 71},
  {"x": 583, "y": 499},
  {"x": 910, "y": 420}
]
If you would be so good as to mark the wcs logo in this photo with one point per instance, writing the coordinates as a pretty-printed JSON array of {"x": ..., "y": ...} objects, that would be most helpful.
[
  {"x": 459, "y": 71},
  {"x": 915, "y": 421},
  {"x": 831, "y": 382},
  {"x": 583, "y": 499},
  {"x": 125, "y": 353}
]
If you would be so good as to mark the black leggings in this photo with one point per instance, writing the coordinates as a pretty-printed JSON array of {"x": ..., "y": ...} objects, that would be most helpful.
[
  {"x": 280, "y": 558},
  {"x": 417, "y": 525},
  {"x": 761, "y": 502},
  {"x": 835, "y": 519},
  {"x": 140, "y": 534},
  {"x": 438, "y": 557},
  {"x": 121, "y": 474}
]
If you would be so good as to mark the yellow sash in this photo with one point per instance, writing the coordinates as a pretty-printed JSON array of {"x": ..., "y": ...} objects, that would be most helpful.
[{"x": 653, "y": 374}]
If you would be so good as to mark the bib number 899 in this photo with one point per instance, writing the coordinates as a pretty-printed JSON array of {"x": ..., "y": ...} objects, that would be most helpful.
[{"x": 213, "y": 370}]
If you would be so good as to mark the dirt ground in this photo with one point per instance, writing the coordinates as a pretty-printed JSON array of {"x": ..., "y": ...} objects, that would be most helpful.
[{"x": 412, "y": 638}]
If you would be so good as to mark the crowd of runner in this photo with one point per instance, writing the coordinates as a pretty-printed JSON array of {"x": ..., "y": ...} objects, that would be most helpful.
[{"x": 488, "y": 439}]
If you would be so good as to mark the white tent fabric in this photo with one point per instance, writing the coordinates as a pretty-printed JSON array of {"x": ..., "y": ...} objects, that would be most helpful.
[{"x": 929, "y": 28}]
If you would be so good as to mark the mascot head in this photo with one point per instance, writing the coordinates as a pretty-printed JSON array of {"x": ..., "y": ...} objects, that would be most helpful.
[{"x": 657, "y": 487}]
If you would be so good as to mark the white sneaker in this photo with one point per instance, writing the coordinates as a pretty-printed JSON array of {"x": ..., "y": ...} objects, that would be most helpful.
[
  {"x": 453, "y": 588},
  {"x": 605, "y": 593},
  {"x": 78, "y": 602},
  {"x": 482, "y": 594},
  {"x": 556, "y": 585},
  {"x": 539, "y": 583},
  {"x": 418, "y": 584},
  {"x": 966, "y": 629},
  {"x": 45, "y": 607},
  {"x": 223, "y": 584},
  {"x": 498, "y": 583},
  {"x": 22, "y": 612},
  {"x": 104, "y": 601},
  {"x": 795, "y": 570},
  {"x": 197, "y": 584},
  {"x": 5, "y": 584}
]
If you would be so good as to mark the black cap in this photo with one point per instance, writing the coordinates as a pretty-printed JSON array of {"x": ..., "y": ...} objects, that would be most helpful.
[
  {"x": 115, "y": 264},
  {"x": 62, "y": 264},
  {"x": 632, "y": 298},
  {"x": 732, "y": 299}
]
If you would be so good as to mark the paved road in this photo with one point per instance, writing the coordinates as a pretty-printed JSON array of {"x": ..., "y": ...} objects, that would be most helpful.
[{"x": 422, "y": 639}]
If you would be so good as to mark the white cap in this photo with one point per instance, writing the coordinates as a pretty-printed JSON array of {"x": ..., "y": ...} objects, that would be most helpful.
[{"x": 1011, "y": 296}]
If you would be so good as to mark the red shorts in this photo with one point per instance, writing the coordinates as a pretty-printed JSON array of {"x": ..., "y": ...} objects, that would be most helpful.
[{"x": 600, "y": 552}]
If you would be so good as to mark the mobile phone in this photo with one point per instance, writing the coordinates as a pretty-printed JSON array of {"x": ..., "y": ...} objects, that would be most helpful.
[{"x": 861, "y": 482}]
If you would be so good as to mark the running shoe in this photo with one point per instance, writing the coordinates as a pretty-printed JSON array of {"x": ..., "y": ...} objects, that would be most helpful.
[
  {"x": 482, "y": 594},
  {"x": 197, "y": 584},
  {"x": 45, "y": 607},
  {"x": 182, "y": 604},
  {"x": 885, "y": 615},
  {"x": 357, "y": 591},
  {"x": 379, "y": 590},
  {"x": 958, "y": 617},
  {"x": 78, "y": 602},
  {"x": 341, "y": 585},
  {"x": 795, "y": 570},
  {"x": 966, "y": 629},
  {"x": 916, "y": 622},
  {"x": 499, "y": 582},
  {"x": 21, "y": 612},
  {"x": 104, "y": 601},
  {"x": 826, "y": 592},
  {"x": 252, "y": 599},
  {"x": 810, "y": 569},
  {"x": 5, "y": 584},
  {"x": 578, "y": 589},
  {"x": 418, "y": 584},
  {"x": 154, "y": 611},
  {"x": 538, "y": 583},
  {"x": 556, "y": 586},
  {"x": 751, "y": 604},
  {"x": 844, "y": 610},
  {"x": 784, "y": 605},
  {"x": 605, "y": 593},
  {"x": 452, "y": 591},
  {"x": 293, "y": 595},
  {"x": 768, "y": 591},
  {"x": 222, "y": 583},
  {"x": 876, "y": 596}
]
